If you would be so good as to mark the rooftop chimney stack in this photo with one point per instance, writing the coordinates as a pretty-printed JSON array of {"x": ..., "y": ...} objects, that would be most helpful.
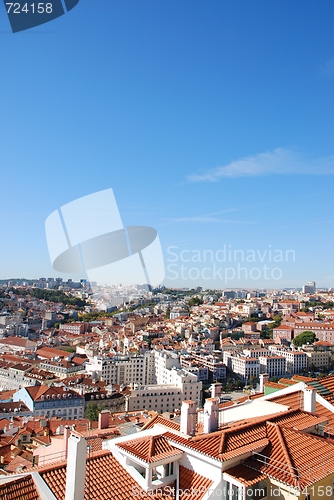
[
  {"x": 264, "y": 378},
  {"x": 310, "y": 400},
  {"x": 211, "y": 415},
  {"x": 104, "y": 419},
  {"x": 67, "y": 432},
  {"x": 216, "y": 390},
  {"x": 76, "y": 467},
  {"x": 188, "y": 418}
]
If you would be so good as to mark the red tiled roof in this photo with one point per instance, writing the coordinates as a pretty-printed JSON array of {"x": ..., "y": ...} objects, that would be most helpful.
[
  {"x": 247, "y": 435},
  {"x": 245, "y": 474},
  {"x": 150, "y": 448},
  {"x": 105, "y": 479},
  {"x": 159, "y": 419},
  {"x": 293, "y": 456},
  {"x": 18, "y": 462},
  {"x": 226, "y": 443},
  {"x": 19, "y": 489},
  {"x": 296, "y": 400},
  {"x": 193, "y": 482},
  {"x": 286, "y": 381},
  {"x": 37, "y": 391}
]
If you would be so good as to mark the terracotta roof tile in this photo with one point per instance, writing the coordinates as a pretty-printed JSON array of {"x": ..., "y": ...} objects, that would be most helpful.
[
  {"x": 159, "y": 419},
  {"x": 245, "y": 474},
  {"x": 226, "y": 443},
  {"x": 19, "y": 489},
  {"x": 150, "y": 448},
  {"x": 195, "y": 483},
  {"x": 105, "y": 479},
  {"x": 293, "y": 457}
]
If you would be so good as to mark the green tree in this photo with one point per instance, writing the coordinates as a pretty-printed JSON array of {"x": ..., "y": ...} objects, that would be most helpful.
[
  {"x": 92, "y": 411},
  {"x": 253, "y": 381},
  {"x": 306, "y": 337},
  {"x": 70, "y": 349},
  {"x": 195, "y": 301}
]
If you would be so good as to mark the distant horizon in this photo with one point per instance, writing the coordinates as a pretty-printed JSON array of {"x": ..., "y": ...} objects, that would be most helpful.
[{"x": 296, "y": 288}]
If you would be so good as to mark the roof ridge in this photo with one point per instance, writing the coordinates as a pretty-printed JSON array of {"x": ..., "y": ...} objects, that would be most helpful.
[
  {"x": 292, "y": 469},
  {"x": 150, "y": 421},
  {"x": 222, "y": 443},
  {"x": 151, "y": 446}
]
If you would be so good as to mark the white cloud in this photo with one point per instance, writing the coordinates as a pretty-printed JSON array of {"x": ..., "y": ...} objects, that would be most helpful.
[
  {"x": 211, "y": 217},
  {"x": 202, "y": 218},
  {"x": 281, "y": 161}
]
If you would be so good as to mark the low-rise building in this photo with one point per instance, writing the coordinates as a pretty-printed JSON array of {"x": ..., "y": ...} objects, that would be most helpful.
[
  {"x": 47, "y": 401},
  {"x": 282, "y": 332}
]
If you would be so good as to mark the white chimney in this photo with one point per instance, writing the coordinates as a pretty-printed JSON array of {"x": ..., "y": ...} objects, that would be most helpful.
[
  {"x": 264, "y": 378},
  {"x": 188, "y": 418},
  {"x": 76, "y": 467},
  {"x": 67, "y": 433},
  {"x": 310, "y": 400},
  {"x": 211, "y": 415}
]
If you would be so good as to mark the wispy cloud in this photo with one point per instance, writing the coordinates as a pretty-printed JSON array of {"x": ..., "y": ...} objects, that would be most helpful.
[
  {"x": 211, "y": 217},
  {"x": 200, "y": 218},
  {"x": 281, "y": 161}
]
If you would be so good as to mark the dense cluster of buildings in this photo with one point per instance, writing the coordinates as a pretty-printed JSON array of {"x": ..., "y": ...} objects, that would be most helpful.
[{"x": 159, "y": 357}]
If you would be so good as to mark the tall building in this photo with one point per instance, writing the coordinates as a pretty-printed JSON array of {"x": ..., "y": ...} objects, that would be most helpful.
[{"x": 309, "y": 287}]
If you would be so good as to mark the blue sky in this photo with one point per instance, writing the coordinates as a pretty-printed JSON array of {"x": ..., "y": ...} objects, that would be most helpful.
[{"x": 212, "y": 122}]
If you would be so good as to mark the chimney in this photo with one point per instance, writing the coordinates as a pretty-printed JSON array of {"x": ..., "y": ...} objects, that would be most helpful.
[
  {"x": 216, "y": 390},
  {"x": 211, "y": 415},
  {"x": 264, "y": 378},
  {"x": 104, "y": 419},
  {"x": 310, "y": 400},
  {"x": 67, "y": 432},
  {"x": 76, "y": 467},
  {"x": 188, "y": 418}
]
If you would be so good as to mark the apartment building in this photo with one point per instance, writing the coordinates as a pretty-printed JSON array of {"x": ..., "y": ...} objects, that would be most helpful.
[
  {"x": 62, "y": 368},
  {"x": 202, "y": 372},
  {"x": 244, "y": 367},
  {"x": 123, "y": 369},
  {"x": 256, "y": 352},
  {"x": 310, "y": 287},
  {"x": 318, "y": 357},
  {"x": 14, "y": 375},
  {"x": 282, "y": 332},
  {"x": 216, "y": 367},
  {"x": 163, "y": 362},
  {"x": 45, "y": 401},
  {"x": 274, "y": 366},
  {"x": 166, "y": 397},
  {"x": 323, "y": 331},
  {"x": 74, "y": 328},
  {"x": 296, "y": 361}
]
